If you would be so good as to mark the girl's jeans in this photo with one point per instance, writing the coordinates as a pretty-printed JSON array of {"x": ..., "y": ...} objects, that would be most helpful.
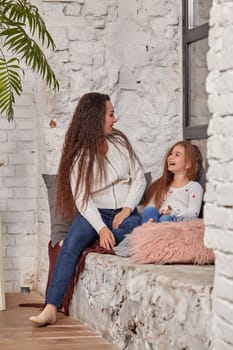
[
  {"x": 153, "y": 213},
  {"x": 81, "y": 235}
]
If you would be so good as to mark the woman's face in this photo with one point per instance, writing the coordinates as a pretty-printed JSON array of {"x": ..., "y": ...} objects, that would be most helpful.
[{"x": 110, "y": 119}]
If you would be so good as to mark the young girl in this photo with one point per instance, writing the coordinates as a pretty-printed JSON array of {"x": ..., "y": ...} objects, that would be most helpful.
[{"x": 176, "y": 195}]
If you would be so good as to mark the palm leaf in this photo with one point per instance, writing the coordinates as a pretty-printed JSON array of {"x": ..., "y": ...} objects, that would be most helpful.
[
  {"x": 20, "y": 21},
  {"x": 10, "y": 83}
]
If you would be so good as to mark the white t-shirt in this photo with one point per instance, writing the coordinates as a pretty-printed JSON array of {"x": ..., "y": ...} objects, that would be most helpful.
[{"x": 185, "y": 201}]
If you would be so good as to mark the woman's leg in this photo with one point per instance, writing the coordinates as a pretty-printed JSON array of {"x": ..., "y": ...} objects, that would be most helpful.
[
  {"x": 150, "y": 213},
  {"x": 80, "y": 236}
]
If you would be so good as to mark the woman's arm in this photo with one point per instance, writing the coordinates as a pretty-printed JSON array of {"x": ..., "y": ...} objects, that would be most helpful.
[{"x": 137, "y": 187}]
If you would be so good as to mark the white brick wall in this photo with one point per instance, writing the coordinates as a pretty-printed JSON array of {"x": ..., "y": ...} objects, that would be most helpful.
[
  {"x": 132, "y": 51},
  {"x": 219, "y": 194},
  {"x": 18, "y": 192}
]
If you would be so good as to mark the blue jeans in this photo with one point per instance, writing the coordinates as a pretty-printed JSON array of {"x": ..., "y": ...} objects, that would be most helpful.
[
  {"x": 81, "y": 235},
  {"x": 151, "y": 212}
]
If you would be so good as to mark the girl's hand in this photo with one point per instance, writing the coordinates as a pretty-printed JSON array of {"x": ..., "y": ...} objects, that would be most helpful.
[
  {"x": 107, "y": 239},
  {"x": 120, "y": 217},
  {"x": 167, "y": 211}
]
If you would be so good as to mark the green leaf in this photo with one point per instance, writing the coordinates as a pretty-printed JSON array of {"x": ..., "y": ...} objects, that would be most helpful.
[{"x": 20, "y": 21}]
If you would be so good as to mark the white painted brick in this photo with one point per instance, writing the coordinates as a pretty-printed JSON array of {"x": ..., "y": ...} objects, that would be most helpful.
[
  {"x": 25, "y": 124},
  {"x": 81, "y": 52},
  {"x": 221, "y": 14},
  {"x": 127, "y": 12},
  {"x": 25, "y": 192},
  {"x": 24, "y": 112},
  {"x": 222, "y": 194},
  {"x": 8, "y": 170},
  {"x": 221, "y": 345},
  {"x": 95, "y": 8},
  {"x": 73, "y": 9},
  {"x": 21, "y": 228},
  {"x": 60, "y": 37},
  {"x": 13, "y": 217},
  {"x": 3, "y": 206},
  {"x": 6, "y": 192},
  {"x": 218, "y": 216},
  {"x": 77, "y": 33},
  {"x": 19, "y": 251},
  {"x": 8, "y": 240},
  {"x": 224, "y": 330},
  {"x": 20, "y": 181},
  {"x": 219, "y": 239},
  {"x": 8, "y": 147},
  {"x": 3, "y": 136},
  {"x": 22, "y": 204},
  {"x": 224, "y": 266},
  {"x": 223, "y": 288},
  {"x": 24, "y": 100},
  {"x": 222, "y": 104},
  {"x": 12, "y": 275},
  {"x": 5, "y": 125},
  {"x": 20, "y": 170},
  {"x": 22, "y": 135}
]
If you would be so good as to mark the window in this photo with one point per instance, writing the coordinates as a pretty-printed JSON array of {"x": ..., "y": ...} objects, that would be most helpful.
[{"x": 195, "y": 47}]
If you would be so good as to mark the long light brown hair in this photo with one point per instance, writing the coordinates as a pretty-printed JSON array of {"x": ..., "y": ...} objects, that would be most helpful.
[
  {"x": 159, "y": 188},
  {"x": 85, "y": 141}
]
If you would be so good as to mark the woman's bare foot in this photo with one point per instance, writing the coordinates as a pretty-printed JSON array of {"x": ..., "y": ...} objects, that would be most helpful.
[{"x": 47, "y": 316}]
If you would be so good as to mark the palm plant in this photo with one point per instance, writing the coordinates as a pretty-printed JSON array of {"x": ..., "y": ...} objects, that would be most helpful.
[{"x": 22, "y": 31}]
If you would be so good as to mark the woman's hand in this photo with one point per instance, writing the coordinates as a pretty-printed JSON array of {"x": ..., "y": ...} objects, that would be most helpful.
[
  {"x": 107, "y": 239},
  {"x": 120, "y": 217}
]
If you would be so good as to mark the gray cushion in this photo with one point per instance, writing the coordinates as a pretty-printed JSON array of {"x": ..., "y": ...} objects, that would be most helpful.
[{"x": 59, "y": 226}]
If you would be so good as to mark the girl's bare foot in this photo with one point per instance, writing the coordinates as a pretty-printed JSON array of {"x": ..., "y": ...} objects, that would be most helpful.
[
  {"x": 47, "y": 316},
  {"x": 148, "y": 223}
]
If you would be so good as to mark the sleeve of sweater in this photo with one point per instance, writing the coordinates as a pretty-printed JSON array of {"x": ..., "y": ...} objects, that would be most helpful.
[
  {"x": 88, "y": 210},
  {"x": 195, "y": 200},
  {"x": 138, "y": 185}
]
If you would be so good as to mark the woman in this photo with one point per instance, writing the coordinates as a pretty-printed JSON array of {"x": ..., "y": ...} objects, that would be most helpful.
[{"x": 100, "y": 177}]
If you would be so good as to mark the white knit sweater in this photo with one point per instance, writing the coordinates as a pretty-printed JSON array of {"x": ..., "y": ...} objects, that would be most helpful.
[{"x": 123, "y": 187}]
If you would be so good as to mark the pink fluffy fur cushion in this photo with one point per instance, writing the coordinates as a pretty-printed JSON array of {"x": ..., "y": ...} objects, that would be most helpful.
[{"x": 170, "y": 243}]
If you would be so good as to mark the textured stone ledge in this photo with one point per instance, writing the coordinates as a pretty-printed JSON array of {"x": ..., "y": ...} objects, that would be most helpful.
[{"x": 142, "y": 307}]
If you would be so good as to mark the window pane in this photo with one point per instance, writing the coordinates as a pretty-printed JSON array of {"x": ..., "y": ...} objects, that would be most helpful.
[
  {"x": 198, "y": 109},
  {"x": 198, "y": 11}
]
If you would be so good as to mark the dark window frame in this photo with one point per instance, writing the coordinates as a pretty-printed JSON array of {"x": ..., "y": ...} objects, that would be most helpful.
[{"x": 190, "y": 35}]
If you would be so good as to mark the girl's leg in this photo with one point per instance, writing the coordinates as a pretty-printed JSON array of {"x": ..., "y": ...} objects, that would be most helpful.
[
  {"x": 80, "y": 236},
  {"x": 127, "y": 226},
  {"x": 150, "y": 213},
  {"x": 166, "y": 218}
]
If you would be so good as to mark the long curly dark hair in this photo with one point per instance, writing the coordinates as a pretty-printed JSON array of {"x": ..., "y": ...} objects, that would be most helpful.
[
  {"x": 159, "y": 188},
  {"x": 85, "y": 141}
]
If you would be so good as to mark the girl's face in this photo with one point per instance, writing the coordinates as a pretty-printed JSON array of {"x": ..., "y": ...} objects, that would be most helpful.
[
  {"x": 110, "y": 119},
  {"x": 176, "y": 160}
]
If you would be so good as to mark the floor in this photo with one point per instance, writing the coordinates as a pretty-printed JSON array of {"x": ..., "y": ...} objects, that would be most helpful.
[{"x": 16, "y": 331}]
